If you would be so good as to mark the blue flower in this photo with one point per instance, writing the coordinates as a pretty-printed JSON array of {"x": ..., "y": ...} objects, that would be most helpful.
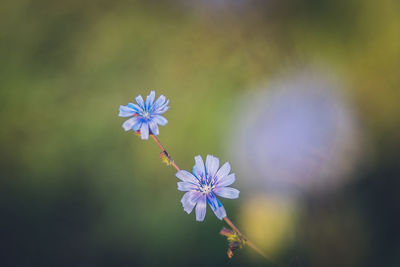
[
  {"x": 203, "y": 184},
  {"x": 145, "y": 115}
]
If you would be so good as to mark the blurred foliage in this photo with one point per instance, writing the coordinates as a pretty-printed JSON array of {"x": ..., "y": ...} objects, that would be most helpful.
[{"x": 76, "y": 190}]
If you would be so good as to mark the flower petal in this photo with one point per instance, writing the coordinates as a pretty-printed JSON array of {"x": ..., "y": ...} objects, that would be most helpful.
[
  {"x": 135, "y": 107},
  {"x": 128, "y": 124},
  {"x": 186, "y": 186},
  {"x": 189, "y": 200},
  {"x": 140, "y": 101},
  {"x": 163, "y": 108},
  {"x": 160, "y": 120},
  {"x": 198, "y": 169},
  {"x": 212, "y": 164},
  {"x": 220, "y": 212},
  {"x": 137, "y": 125},
  {"x": 201, "y": 208},
  {"x": 223, "y": 171},
  {"x": 186, "y": 176},
  {"x": 154, "y": 127},
  {"x": 225, "y": 180},
  {"x": 227, "y": 192},
  {"x": 125, "y": 111},
  {"x": 158, "y": 103},
  {"x": 216, "y": 206},
  {"x": 144, "y": 131},
  {"x": 150, "y": 100}
]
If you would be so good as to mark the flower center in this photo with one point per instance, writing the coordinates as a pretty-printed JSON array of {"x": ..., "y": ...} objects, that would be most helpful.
[
  {"x": 205, "y": 189},
  {"x": 146, "y": 115}
]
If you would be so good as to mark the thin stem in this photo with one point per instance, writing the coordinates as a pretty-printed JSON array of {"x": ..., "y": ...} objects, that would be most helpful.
[
  {"x": 226, "y": 219},
  {"x": 248, "y": 241},
  {"x": 230, "y": 223},
  {"x": 165, "y": 151},
  {"x": 158, "y": 142}
]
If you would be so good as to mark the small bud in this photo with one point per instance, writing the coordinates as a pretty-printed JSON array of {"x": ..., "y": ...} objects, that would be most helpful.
[
  {"x": 165, "y": 158},
  {"x": 234, "y": 240}
]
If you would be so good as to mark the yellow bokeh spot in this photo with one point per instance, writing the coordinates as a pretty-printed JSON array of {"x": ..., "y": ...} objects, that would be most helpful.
[{"x": 269, "y": 222}]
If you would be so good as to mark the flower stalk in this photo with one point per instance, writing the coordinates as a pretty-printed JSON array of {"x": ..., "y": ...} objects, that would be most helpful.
[
  {"x": 226, "y": 219},
  {"x": 206, "y": 181},
  {"x": 248, "y": 241},
  {"x": 164, "y": 153}
]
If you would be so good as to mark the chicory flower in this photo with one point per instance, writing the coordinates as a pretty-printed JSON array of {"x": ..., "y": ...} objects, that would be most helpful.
[
  {"x": 146, "y": 116},
  {"x": 204, "y": 184}
]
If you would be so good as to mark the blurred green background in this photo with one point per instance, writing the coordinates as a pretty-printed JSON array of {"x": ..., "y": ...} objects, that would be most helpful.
[{"x": 76, "y": 190}]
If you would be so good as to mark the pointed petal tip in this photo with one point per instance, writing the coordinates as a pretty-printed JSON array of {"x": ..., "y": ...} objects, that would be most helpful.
[
  {"x": 186, "y": 176},
  {"x": 160, "y": 120},
  {"x": 186, "y": 186},
  {"x": 212, "y": 165},
  {"x": 126, "y": 111},
  {"x": 226, "y": 180},
  {"x": 198, "y": 169},
  {"x": 221, "y": 213},
  {"x": 188, "y": 210},
  {"x": 227, "y": 192}
]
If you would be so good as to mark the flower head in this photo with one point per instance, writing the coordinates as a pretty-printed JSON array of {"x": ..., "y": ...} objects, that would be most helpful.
[
  {"x": 203, "y": 184},
  {"x": 145, "y": 115}
]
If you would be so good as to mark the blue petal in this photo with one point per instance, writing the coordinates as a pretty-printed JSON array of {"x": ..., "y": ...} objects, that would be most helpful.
[
  {"x": 212, "y": 164},
  {"x": 125, "y": 111},
  {"x": 134, "y": 106},
  {"x": 216, "y": 206},
  {"x": 189, "y": 200},
  {"x": 157, "y": 104},
  {"x": 163, "y": 108},
  {"x": 201, "y": 208},
  {"x": 212, "y": 201},
  {"x": 220, "y": 212},
  {"x": 223, "y": 171},
  {"x": 140, "y": 101},
  {"x": 137, "y": 125},
  {"x": 226, "y": 180},
  {"x": 150, "y": 100},
  {"x": 128, "y": 124},
  {"x": 186, "y": 186},
  {"x": 186, "y": 176},
  {"x": 153, "y": 127},
  {"x": 144, "y": 131},
  {"x": 227, "y": 192},
  {"x": 160, "y": 120},
  {"x": 198, "y": 169}
]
